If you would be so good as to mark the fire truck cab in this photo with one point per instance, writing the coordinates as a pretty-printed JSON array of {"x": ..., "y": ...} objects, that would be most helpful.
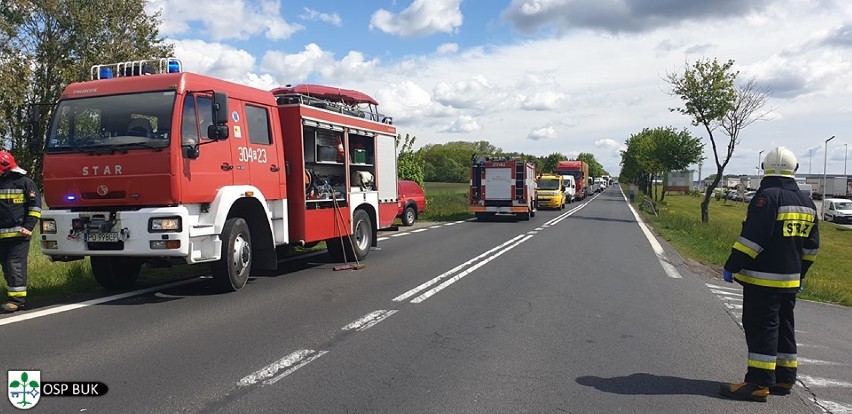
[{"x": 148, "y": 163}]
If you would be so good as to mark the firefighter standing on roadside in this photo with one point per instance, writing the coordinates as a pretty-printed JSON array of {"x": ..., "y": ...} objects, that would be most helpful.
[
  {"x": 777, "y": 245},
  {"x": 20, "y": 210}
]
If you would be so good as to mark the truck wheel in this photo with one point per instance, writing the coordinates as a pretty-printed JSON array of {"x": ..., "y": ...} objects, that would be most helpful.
[
  {"x": 232, "y": 270},
  {"x": 362, "y": 237},
  {"x": 409, "y": 216},
  {"x": 116, "y": 273},
  {"x": 362, "y": 234}
]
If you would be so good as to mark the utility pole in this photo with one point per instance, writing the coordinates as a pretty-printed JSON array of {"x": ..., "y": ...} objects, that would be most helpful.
[{"x": 824, "y": 164}]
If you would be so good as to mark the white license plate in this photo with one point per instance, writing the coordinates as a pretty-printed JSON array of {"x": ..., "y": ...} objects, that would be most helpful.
[{"x": 101, "y": 237}]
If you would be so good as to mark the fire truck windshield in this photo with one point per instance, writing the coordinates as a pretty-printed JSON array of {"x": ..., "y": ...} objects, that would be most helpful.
[{"x": 115, "y": 122}]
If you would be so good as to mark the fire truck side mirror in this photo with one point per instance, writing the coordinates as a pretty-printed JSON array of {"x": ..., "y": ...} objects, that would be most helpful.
[{"x": 219, "y": 130}]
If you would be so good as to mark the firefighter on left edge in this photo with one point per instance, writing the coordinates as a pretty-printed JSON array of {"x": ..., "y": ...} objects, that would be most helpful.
[{"x": 20, "y": 210}]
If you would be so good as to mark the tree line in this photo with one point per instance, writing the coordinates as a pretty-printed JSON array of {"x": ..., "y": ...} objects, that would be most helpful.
[
  {"x": 47, "y": 44},
  {"x": 451, "y": 162}
]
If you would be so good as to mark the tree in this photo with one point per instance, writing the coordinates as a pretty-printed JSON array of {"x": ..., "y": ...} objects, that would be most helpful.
[
  {"x": 548, "y": 163},
  {"x": 46, "y": 45},
  {"x": 450, "y": 162},
  {"x": 711, "y": 99},
  {"x": 595, "y": 168},
  {"x": 409, "y": 164}
]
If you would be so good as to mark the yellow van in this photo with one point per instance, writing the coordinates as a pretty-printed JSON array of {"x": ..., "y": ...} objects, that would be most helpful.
[{"x": 550, "y": 191}]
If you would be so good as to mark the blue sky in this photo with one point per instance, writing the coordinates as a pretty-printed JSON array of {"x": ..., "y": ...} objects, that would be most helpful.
[{"x": 540, "y": 76}]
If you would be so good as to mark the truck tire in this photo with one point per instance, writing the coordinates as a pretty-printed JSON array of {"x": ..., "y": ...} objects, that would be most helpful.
[
  {"x": 359, "y": 241},
  {"x": 231, "y": 271},
  {"x": 408, "y": 216},
  {"x": 116, "y": 273}
]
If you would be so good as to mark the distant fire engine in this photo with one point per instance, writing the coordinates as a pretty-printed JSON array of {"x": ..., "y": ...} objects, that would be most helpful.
[
  {"x": 502, "y": 185},
  {"x": 176, "y": 167}
]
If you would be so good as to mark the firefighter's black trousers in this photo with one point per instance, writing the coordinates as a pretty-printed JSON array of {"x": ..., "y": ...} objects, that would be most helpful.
[
  {"x": 13, "y": 259},
  {"x": 769, "y": 327}
]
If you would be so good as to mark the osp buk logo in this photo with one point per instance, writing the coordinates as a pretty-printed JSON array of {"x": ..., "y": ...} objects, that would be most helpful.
[{"x": 24, "y": 388}]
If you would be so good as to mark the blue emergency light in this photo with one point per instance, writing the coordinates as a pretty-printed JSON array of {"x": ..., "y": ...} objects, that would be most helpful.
[
  {"x": 105, "y": 73},
  {"x": 71, "y": 197}
]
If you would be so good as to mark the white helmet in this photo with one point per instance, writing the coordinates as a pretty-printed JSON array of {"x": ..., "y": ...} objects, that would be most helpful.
[{"x": 780, "y": 162}]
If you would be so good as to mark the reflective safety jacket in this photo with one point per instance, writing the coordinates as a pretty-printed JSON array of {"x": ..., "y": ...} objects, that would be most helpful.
[
  {"x": 779, "y": 238},
  {"x": 20, "y": 205}
]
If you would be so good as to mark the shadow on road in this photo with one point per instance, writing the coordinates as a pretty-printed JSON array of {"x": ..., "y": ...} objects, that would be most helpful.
[{"x": 649, "y": 384}]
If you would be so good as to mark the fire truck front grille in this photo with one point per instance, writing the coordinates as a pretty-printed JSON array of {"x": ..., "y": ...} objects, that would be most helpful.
[{"x": 119, "y": 245}]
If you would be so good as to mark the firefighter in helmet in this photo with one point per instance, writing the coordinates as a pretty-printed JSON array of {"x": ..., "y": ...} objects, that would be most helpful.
[
  {"x": 776, "y": 247},
  {"x": 20, "y": 210}
]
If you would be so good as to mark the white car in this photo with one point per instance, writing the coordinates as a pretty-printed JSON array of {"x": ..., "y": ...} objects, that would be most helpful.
[{"x": 838, "y": 210}]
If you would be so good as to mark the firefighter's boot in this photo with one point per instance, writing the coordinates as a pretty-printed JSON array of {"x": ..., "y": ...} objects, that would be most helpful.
[
  {"x": 745, "y": 391},
  {"x": 10, "y": 307},
  {"x": 780, "y": 389}
]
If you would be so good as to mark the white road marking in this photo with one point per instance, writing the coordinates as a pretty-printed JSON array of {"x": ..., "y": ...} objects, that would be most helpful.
[
  {"x": 289, "y": 363},
  {"x": 383, "y": 238},
  {"x": 167, "y": 296},
  {"x": 835, "y": 407},
  {"x": 670, "y": 270},
  {"x": 710, "y": 285},
  {"x": 801, "y": 345},
  {"x": 399, "y": 234},
  {"x": 823, "y": 382},
  {"x": 369, "y": 320},
  {"x": 438, "y": 278},
  {"x": 435, "y": 227},
  {"x": 418, "y": 230},
  {"x": 726, "y": 293},
  {"x": 64, "y": 308},
  {"x": 809, "y": 361},
  {"x": 457, "y": 277}
]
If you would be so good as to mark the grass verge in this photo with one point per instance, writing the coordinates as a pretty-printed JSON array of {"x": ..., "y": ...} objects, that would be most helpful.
[{"x": 679, "y": 222}]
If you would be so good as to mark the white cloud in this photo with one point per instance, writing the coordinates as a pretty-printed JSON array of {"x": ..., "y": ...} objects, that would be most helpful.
[
  {"x": 543, "y": 133},
  {"x": 297, "y": 67},
  {"x": 214, "y": 59},
  {"x": 421, "y": 18},
  {"x": 447, "y": 48},
  {"x": 224, "y": 19},
  {"x": 462, "y": 124},
  {"x": 313, "y": 15}
]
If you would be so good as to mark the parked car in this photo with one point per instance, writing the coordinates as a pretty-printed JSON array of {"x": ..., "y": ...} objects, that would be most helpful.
[
  {"x": 748, "y": 196},
  {"x": 838, "y": 210},
  {"x": 412, "y": 201}
]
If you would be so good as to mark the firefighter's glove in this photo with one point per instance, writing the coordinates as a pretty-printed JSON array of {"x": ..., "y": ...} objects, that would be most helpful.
[{"x": 729, "y": 277}]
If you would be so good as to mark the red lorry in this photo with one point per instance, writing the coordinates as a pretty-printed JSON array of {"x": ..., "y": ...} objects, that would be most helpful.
[
  {"x": 502, "y": 186},
  {"x": 580, "y": 171},
  {"x": 176, "y": 167}
]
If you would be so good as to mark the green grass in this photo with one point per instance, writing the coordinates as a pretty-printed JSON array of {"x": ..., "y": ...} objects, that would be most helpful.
[
  {"x": 446, "y": 202},
  {"x": 679, "y": 222}
]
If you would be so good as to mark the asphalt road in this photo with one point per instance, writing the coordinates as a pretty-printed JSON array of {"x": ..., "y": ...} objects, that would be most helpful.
[{"x": 572, "y": 311}]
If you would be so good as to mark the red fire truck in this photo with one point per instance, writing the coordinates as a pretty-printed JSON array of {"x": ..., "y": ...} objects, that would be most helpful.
[
  {"x": 502, "y": 185},
  {"x": 148, "y": 163}
]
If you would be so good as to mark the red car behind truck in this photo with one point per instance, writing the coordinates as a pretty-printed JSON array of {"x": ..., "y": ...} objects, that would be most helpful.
[
  {"x": 412, "y": 201},
  {"x": 176, "y": 167}
]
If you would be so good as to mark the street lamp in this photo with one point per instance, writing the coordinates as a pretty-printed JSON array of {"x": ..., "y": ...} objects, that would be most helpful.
[
  {"x": 758, "y": 162},
  {"x": 845, "y": 157},
  {"x": 824, "y": 164}
]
